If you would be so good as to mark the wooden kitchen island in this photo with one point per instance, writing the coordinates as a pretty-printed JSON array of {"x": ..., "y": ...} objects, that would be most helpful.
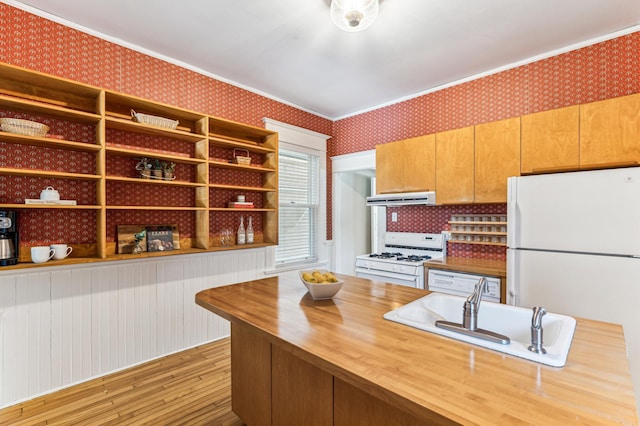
[{"x": 338, "y": 362}]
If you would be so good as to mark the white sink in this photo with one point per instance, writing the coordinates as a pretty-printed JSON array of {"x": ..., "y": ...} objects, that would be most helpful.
[{"x": 511, "y": 321}]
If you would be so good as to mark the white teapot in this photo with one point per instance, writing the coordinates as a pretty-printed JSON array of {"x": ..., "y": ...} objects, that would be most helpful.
[{"x": 49, "y": 194}]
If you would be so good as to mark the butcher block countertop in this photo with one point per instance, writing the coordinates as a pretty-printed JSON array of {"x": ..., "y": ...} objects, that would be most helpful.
[
  {"x": 497, "y": 268},
  {"x": 436, "y": 379}
]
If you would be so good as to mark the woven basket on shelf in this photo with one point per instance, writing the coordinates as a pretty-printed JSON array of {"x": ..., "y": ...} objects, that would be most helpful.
[
  {"x": 239, "y": 159},
  {"x": 23, "y": 127},
  {"x": 154, "y": 120}
]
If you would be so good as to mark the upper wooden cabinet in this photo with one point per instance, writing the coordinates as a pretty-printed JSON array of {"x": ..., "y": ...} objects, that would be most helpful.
[
  {"x": 610, "y": 131},
  {"x": 497, "y": 157},
  {"x": 455, "y": 166},
  {"x": 406, "y": 166},
  {"x": 550, "y": 140},
  {"x": 389, "y": 176}
]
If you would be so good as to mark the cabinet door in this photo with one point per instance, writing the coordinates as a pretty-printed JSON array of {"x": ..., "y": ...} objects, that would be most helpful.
[
  {"x": 302, "y": 393},
  {"x": 250, "y": 375},
  {"x": 497, "y": 157},
  {"x": 610, "y": 131},
  {"x": 419, "y": 166},
  {"x": 389, "y": 168},
  {"x": 454, "y": 166},
  {"x": 406, "y": 166},
  {"x": 355, "y": 407},
  {"x": 550, "y": 140}
]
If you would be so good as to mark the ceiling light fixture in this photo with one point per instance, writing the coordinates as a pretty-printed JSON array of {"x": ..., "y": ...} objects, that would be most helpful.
[{"x": 354, "y": 15}]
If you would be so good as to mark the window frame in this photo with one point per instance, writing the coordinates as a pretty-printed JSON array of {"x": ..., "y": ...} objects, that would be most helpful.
[
  {"x": 293, "y": 138},
  {"x": 311, "y": 206}
]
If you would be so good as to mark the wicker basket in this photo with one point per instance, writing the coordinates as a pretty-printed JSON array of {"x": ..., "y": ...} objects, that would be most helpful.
[
  {"x": 23, "y": 127},
  {"x": 239, "y": 159},
  {"x": 154, "y": 120}
]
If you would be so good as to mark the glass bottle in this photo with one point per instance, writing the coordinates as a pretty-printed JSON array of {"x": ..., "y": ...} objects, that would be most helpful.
[
  {"x": 249, "y": 232},
  {"x": 241, "y": 233}
]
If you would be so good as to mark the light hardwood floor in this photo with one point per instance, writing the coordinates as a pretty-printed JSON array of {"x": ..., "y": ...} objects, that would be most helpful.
[{"x": 192, "y": 387}]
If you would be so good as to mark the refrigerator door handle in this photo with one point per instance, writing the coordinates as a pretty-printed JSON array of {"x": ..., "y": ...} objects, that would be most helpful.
[
  {"x": 511, "y": 292},
  {"x": 512, "y": 211}
]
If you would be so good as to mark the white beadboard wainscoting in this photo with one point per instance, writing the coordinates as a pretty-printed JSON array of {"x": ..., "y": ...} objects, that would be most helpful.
[{"x": 64, "y": 325}]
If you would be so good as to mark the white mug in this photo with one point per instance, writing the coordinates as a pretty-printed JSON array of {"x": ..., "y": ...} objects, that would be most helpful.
[
  {"x": 41, "y": 254},
  {"x": 61, "y": 251}
]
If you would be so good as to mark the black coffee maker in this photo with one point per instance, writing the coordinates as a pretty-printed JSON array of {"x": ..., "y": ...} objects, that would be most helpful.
[{"x": 9, "y": 241}]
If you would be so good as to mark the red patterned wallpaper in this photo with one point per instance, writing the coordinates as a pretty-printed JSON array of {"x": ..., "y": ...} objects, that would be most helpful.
[
  {"x": 597, "y": 72},
  {"x": 32, "y": 42},
  {"x": 601, "y": 71}
]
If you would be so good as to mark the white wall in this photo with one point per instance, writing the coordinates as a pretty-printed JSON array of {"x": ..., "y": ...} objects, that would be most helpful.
[
  {"x": 64, "y": 325},
  {"x": 352, "y": 177},
  {"x": 353, "y": 220}
]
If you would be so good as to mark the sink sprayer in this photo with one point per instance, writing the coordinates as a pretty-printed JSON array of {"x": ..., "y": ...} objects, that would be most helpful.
[{"x": 536, "y": 331}]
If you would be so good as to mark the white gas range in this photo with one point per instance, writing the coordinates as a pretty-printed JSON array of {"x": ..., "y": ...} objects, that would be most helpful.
[{"x": 401, "y": 261}]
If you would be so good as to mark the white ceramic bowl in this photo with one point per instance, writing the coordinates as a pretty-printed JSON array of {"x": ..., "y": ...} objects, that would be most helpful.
[{"x": 321, "y": 291}]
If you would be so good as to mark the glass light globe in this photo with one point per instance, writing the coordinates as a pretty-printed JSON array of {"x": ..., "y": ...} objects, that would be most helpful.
[{"x": 354, "y": 15}]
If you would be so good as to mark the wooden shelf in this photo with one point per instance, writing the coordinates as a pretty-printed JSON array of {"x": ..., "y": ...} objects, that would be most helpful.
[
  {"x": 5, "y": 171},
  {"x": 50, "y": 206},
  {"x": 480, "y": 229},
  {"x": 125, "y": 152},
  {"x": 172, "y": 208},
  {"x": 226, "y": 209},
  {"x": 484, "y": 243},
  {"x": 451, "y": 222},
  {"x": 234, "y": 143},
  {"x": 119, "y": 104},
  {"x": 39, "y": 86},
  {"x": 155, "y": 181},
  {"x": 48, "y": 142},
  {"x": 26, "y": 105},
  {"x": 242, "y": 188},
  {"x": 112, "y": 257},
  {"x": 131, "y": 126},
  {"x": 147, "y": 254},
  {"x": 233, "y": 166},
  {"x": 231, "y": 130},
  {"x": 478, "y": 233},
  {"x": 31, "y": 92}
]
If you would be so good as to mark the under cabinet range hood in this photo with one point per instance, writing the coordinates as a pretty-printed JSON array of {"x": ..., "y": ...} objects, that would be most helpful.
[{"x": 403, "y": 199}]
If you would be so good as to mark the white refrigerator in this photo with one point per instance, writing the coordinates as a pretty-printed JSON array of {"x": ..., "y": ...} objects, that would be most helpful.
[{"x": 574, "y": 248}]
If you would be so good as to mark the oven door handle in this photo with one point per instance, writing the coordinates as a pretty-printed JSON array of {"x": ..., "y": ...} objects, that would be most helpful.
[{"x": 405, "y": 277}]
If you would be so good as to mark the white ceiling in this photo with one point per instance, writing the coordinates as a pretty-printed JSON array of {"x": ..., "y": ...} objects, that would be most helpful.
[{"x": 289, "y": 49}]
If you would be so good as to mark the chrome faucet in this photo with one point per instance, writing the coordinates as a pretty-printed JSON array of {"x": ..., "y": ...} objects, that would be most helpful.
[
  {"x": 536, "y": 331},
  {"x": 469, "y": 324},
  {"x": 472, "y": 305}
]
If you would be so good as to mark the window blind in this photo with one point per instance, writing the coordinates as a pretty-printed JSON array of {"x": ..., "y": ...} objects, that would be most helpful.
[{"x": 298, "y": 184}]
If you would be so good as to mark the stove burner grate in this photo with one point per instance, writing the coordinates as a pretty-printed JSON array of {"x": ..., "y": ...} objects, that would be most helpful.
[
  {"x": 385, "y": 255},
  {"x": 400, "y": 257}
]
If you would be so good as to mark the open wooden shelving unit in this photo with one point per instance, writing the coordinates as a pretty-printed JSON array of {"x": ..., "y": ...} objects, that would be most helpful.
[{"x": 45, "y": 98}]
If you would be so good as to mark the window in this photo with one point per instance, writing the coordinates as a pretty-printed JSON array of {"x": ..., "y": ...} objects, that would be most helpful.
[{"x": 298, "y": 210}]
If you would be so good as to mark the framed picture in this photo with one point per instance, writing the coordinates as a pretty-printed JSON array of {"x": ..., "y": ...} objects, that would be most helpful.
[
  {"x": 162, "y": 238},
  {"x": 132, "y": 239}
]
